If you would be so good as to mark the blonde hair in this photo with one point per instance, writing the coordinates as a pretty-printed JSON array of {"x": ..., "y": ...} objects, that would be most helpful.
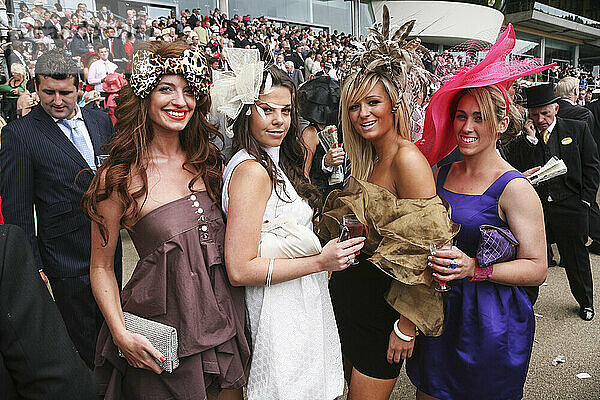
[
  {"x": 492, "y": 106},
  {"x": 566, "y": 87},
  {"x": 360, "y": 151}
]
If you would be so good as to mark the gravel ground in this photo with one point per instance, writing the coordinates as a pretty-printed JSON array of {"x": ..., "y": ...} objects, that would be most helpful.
[{"x": 559, "y": 331}]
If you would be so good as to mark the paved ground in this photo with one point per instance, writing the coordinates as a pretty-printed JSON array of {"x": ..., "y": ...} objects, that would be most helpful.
[{"x": 559, "y": 331}]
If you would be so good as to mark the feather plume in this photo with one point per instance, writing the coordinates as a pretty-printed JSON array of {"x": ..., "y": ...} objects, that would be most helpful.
[
  {"x": 396, "y": 58},
  {"x": 385, "y": 30},
  {"x": 403, "y": 32}
]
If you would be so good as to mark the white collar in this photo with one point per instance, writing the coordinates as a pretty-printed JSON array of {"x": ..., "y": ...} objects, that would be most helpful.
[
  {"x": 77, "y": 116},
  {"x": 551, "y": 127},
  {"x": 273, "y": 152}
]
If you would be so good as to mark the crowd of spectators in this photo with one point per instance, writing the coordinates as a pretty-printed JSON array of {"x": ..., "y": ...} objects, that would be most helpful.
[{"x": 107, "y": 40}]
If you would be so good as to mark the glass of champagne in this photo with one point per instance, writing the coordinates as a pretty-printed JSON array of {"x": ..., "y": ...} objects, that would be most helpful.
[
  {"x": 441, "y": 244},
  {"x": 351, "y": 228}
]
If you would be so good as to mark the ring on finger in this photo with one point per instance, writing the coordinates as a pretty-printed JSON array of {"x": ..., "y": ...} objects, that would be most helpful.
[
  {"x": 453, "y": 264},
  {"x": 349, "y": 260}
]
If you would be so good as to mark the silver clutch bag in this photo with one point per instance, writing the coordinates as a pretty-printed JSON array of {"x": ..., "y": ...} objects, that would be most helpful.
[{"x": 163, "y": 337}]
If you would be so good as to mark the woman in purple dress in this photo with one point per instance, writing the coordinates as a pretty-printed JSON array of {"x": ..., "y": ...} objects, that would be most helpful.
[{"x": 485, "y": 349}]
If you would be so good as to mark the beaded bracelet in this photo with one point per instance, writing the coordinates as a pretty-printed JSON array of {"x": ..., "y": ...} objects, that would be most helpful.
[{"x": 482, "y": 274}]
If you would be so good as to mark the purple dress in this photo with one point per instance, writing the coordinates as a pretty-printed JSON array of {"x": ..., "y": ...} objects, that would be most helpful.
[{"x": 485, "y": 349}]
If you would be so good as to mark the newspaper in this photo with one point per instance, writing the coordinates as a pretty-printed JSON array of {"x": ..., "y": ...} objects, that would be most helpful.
[{"x": 553, "y": 168}]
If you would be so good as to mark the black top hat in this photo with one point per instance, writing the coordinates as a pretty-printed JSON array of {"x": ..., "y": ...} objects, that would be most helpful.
[{"x": 540, "y": 95}]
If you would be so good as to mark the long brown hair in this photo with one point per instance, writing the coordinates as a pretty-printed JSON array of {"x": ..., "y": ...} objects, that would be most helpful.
[
  {"x": 129, "y": 151},
  {"x": 291, "y": 151}
]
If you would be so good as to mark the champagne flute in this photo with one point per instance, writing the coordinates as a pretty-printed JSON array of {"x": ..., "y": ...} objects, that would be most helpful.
[{"x": 441, "y": 244}]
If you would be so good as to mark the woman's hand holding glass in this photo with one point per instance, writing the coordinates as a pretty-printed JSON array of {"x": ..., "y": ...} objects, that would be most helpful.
[
  {"x": 442, "y": 262},
  {"x": 139, "y": 352},
  {"x": 337, "y": 255}
]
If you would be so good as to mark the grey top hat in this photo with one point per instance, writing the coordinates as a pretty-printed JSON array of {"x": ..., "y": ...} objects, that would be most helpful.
[{"x": 540, "y": 95}]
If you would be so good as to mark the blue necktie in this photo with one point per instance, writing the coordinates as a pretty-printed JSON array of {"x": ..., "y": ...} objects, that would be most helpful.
[{"x": 78, "y": 139}]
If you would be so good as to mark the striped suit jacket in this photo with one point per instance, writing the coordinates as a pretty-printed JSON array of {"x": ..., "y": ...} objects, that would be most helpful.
[{"x": 40, "y": 166}]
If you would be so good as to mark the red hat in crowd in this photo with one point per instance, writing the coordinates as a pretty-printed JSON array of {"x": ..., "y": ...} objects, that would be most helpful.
[
  {"x": 495, "y": 69},
  {"x": 113, "y": 82}
]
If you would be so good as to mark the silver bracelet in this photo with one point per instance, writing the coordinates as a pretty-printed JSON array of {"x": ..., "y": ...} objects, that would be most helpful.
[
  {"x": 270, "y": 272},
  {"x": 401, "y": 335}
]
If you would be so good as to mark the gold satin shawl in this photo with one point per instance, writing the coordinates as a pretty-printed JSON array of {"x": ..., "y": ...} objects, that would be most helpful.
[{"x": 398, "y": 233}]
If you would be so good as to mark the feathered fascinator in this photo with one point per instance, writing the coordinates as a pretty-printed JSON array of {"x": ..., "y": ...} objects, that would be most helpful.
[
  {"x": 232, "y": 89},
  {"x": 395, "y": 57},
  {"x": 497, "y": 68}
]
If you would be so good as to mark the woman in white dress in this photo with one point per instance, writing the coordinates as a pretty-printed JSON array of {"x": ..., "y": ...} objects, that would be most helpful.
[{"x": 270, "y": 248}]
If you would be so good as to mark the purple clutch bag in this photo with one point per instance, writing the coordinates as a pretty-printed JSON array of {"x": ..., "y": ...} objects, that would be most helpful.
[{"x": 495, "y": 245}]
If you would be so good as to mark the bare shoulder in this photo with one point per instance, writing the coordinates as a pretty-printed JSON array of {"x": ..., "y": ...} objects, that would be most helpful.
[
  {"x": 251, "y": 171},
  {"x": 310, "y": 137},
  {"x": 412, "y": 173},
  {"x": 250, "y": 177},
  {"x": 310, "y": 132},
  {"x": 518, "y": 193},
  {"x": 409, "y": 155},
  {"x": 249, "y": 191}
]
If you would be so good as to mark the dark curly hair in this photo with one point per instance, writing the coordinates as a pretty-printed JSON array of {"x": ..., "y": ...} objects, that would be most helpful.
[
  {"x": 292, "y": 150},
  {"x": 129, "y": 151}
]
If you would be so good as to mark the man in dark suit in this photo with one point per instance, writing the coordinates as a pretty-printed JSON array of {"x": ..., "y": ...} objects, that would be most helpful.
[
  {"x": 295, "y": 56},
  {"x": 37, "y": 358},
  {"x": 141, "y": 34},
  {"x": 48, "y": 160},
  {"x": 294, "y": 73},
  {"x": 116, "y": 50},
  {"x": 80, "y": 43},
  {"x": 594, "y": 107},
  {"x": 568, "y": 89},
  {"x": 567, "y": 198}
]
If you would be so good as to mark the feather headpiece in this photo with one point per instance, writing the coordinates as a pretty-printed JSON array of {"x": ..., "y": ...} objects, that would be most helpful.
[{"x": 393, "y": 56}]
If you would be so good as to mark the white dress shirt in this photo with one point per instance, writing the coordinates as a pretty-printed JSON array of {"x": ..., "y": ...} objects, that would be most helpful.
[{"x": 98, "y": 71}]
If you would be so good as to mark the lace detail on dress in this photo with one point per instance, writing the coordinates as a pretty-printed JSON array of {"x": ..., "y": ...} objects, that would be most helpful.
[{"x": 296, "y": 347}]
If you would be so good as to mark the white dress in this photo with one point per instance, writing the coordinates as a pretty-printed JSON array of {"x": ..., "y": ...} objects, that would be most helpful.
[{"x": 296, "y": 347}]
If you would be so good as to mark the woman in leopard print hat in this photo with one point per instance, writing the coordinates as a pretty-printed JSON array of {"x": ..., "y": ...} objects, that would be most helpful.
[{"x": 162, "y": 182}]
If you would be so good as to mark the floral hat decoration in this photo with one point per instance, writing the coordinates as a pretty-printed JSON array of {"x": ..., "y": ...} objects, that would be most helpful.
[{"x": 231, "y": 90}]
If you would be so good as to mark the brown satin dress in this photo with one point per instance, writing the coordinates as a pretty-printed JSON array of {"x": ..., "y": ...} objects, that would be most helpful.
[{"x": 180, "y": 280}]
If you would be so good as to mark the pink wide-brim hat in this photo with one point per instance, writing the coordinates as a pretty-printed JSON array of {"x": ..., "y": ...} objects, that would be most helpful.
[{"x": 495, "y": 69}]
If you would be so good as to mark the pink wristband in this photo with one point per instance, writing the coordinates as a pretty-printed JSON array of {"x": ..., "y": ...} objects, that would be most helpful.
[{"x": 482, "y": 274}]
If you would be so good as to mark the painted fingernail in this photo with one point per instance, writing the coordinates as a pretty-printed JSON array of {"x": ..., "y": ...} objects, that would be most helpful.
[{"x": 163, "y": 358}]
